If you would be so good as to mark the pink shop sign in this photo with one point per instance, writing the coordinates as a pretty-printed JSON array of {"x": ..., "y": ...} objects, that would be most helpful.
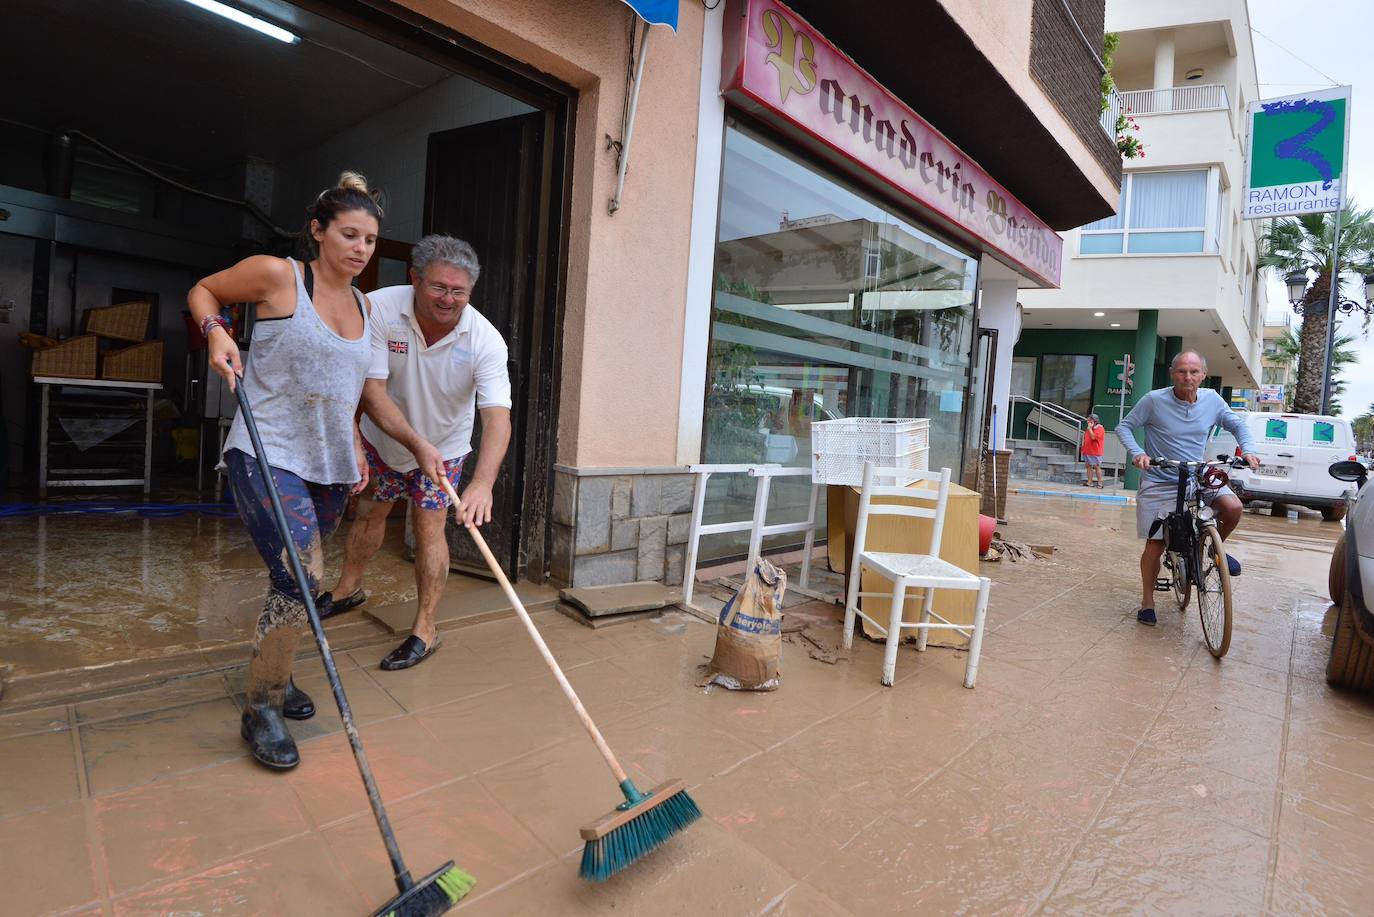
[{"x": 776, "y": 65}]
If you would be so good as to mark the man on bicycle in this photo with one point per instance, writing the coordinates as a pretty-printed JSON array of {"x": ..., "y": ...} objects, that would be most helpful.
[{"x": 1175, "y": 423}]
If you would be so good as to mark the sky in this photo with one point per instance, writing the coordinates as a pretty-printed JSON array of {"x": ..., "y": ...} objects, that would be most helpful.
[{"x": 1326, "y": 41}]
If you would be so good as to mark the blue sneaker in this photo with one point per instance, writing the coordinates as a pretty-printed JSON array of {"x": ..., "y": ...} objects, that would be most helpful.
[
  {"x": 1146, "y": 616},
  {"x": 1233, "y": 565}
]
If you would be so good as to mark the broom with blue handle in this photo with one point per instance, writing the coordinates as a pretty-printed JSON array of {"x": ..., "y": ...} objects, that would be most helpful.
[
  {"x": 644, "y": 820},
  {"x": 440, "y": 890}
]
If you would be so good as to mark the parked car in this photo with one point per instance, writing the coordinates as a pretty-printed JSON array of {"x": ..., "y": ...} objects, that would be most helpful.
[
  {"x": 1295, "y": 452},
  {"x": 1351, "y": 581}
]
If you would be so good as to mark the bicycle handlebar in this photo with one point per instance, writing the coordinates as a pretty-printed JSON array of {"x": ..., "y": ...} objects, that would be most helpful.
[{"x": 1175, "y": 464}]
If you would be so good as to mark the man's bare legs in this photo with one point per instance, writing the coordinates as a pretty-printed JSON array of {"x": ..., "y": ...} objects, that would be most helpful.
[
  {"x": 365, "y": 537},
  {"x": 431, "y": 568},
  {"x": 1150, "y": 560},
  {"x": 1228, "y": 509}
]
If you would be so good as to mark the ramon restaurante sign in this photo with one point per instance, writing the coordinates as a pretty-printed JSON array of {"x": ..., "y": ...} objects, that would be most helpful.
[{"x": 776, "y": 65}]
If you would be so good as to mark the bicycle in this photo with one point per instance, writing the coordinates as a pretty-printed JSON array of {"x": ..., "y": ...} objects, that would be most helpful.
[{"x": 1193, "y": 550}]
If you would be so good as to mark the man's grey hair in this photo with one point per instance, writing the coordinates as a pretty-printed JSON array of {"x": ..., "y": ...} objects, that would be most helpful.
[
  {"x": 436, "y": 249},
  {"x": 1092, "y": 417},
  {"x": 1173, "y": 364}
]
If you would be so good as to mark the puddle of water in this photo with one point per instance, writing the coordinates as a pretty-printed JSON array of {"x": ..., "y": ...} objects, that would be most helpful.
[{"x": 1295, "y": 548}]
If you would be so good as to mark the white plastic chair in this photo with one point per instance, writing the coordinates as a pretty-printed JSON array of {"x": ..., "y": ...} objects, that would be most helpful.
[
  {"x": 757, "y": 525},
  {"x": 907, "y": 571}
]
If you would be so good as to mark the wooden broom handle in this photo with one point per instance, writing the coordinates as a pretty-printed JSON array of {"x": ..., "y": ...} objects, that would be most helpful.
[{"x": 552, "y": 663}]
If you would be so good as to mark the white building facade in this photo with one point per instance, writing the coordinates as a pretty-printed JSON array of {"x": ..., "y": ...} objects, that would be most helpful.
[{"x": 1175, "y": 268}]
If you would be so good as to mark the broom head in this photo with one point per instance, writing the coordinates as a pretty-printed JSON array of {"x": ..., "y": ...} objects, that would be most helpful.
[
  {"x": 432, "y": 895},
  {"x": 635, "y": 828}
]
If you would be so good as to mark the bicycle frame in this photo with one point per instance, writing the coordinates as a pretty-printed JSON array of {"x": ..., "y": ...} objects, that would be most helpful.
[{"x": 1198, "y": 521}]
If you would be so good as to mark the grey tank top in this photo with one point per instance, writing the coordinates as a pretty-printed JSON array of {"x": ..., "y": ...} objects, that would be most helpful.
[{"x": 304, "y": 383}]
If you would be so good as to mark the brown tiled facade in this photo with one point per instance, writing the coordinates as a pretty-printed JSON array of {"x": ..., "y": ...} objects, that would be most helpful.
[{"x": 1069, "y": 72}]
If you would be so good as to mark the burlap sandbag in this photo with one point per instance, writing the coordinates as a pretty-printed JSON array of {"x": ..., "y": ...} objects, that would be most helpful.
[{"x": 749, "y": 635}]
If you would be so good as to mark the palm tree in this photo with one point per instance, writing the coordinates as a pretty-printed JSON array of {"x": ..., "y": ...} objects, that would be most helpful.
[
  {"x": 1289, "y": 351},
  {"x": 1363, "y": 428},
  {"x": 1303, "y": 245}
]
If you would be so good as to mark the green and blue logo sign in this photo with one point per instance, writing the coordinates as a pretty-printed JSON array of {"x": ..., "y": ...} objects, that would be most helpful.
[{"x": 1299, "y": 146}]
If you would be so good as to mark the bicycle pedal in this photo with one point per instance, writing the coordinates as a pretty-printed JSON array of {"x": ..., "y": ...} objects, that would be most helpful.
[{"x": 1163, "y": 585}]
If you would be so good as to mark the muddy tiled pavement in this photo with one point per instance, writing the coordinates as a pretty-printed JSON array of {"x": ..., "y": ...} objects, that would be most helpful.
[{"x": 1099, "y": 767}]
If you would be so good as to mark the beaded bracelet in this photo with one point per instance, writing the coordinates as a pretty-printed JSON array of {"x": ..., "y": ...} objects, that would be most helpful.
[{"x": 211, "y": 321}]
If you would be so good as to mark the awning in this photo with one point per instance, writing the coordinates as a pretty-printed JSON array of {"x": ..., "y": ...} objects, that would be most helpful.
[{"x": 653, "y": 12}]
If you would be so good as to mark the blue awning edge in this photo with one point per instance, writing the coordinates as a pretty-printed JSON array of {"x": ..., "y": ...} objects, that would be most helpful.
[{"x": 655, "y": 12}]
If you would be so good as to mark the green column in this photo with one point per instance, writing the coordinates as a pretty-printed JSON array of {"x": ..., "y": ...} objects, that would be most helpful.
[
  {"x": 1173, "y": 346},
  {"x": 1226, "y": 392},
  {"x": 1146, "y": 343}
]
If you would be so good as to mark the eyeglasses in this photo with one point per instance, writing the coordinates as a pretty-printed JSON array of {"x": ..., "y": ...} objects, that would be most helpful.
[{"x": 440, "y": 291}]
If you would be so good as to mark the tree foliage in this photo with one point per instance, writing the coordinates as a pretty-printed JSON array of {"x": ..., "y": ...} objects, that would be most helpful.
[{"x": 1303, "y": 244}]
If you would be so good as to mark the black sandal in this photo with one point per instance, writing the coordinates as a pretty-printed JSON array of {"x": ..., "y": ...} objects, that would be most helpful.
[
  {"x": 328, "y": 606},
  {"x": 412, "y": 651}
]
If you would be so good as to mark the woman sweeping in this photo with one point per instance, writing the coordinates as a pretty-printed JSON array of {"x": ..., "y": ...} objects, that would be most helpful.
[{"x": 309, "y": 356}]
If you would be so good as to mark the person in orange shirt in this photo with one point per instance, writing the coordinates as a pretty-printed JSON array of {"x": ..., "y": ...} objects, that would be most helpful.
[{"x": 1093, "y": 439}]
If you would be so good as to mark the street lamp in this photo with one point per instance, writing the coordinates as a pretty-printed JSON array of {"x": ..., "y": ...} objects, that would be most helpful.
[{"x": 1297, "y": 286}]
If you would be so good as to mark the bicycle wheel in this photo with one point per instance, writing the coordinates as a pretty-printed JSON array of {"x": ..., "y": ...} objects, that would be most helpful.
[
  {"x": 1178, "y": 570},
  {"x": 1214, "y": 593}
]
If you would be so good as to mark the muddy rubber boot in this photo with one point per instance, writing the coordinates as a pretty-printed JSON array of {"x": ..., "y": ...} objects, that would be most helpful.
[
  {"x": 267, "y": 736},
  {"x": 298, "y": 705}
]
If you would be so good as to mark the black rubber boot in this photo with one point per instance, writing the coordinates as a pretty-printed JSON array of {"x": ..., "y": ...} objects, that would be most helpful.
[
  {"x": 298, "y": 705},
  {"x": 267, "y": 736}
]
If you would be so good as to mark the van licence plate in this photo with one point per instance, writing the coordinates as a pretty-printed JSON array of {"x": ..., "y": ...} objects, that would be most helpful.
[{"x": 1274, "y": 471}]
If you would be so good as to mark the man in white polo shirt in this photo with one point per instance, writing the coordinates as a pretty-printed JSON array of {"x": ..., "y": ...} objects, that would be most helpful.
[{"x": 439, "y": 360}]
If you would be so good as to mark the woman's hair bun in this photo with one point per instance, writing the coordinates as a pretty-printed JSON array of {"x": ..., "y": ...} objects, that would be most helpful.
[{"x": 353, "y": 181}]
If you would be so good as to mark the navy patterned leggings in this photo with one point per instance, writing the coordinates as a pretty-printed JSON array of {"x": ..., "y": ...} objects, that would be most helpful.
[{"x": 313, "y": 512}]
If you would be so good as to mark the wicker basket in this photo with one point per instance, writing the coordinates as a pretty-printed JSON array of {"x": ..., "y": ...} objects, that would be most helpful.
[
  {"x": 126, "y": 321},
  {"x": 139, "y": 363},
  {"x": 71, "y": 359}
]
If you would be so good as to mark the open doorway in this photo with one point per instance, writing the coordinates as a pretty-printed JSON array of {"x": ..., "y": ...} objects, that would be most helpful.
[{"x": 207, "y": 147}]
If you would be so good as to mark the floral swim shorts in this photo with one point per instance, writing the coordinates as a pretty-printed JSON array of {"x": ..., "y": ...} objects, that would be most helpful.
[{"x": 389, "y": 485}]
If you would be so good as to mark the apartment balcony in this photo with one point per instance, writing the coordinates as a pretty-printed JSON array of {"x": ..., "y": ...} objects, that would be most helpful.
[{"x": 1207, "y": 97}]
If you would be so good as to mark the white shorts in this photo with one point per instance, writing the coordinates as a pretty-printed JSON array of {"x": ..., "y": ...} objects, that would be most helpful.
[{"x": 1155, "y": 500}]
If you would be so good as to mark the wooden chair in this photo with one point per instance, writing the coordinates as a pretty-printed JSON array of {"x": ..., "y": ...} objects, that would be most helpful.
[{"x": 908, "y": 571}]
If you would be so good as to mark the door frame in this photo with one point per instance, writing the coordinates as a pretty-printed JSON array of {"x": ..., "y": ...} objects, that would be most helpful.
[{"x": 424, "y": 37}]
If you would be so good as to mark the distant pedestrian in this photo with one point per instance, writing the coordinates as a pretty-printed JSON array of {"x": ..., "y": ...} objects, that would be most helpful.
[{"x": 1094, "y": 439}]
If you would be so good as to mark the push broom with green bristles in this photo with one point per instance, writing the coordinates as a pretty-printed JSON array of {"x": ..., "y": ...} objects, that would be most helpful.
[
  {"x": 439, "y": 891},
  {"x": 644, "y": 820}
]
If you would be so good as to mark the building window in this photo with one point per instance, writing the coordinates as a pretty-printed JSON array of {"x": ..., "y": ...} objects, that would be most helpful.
[
  {"x": 1161, "y": 213},
  {"x": 826, "y": 305},
  {"x": 1066, "y": 379}
]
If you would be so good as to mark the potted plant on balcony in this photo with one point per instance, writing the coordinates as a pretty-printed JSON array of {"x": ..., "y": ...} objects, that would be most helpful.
[{"x": 1127, "y": 143}]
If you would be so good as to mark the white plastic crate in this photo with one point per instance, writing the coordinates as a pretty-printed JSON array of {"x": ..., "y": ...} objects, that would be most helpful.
[{"x": 840, "y": 448}]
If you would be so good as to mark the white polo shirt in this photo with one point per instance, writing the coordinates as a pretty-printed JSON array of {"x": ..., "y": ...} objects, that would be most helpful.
[{"x": 437, "y": 386}]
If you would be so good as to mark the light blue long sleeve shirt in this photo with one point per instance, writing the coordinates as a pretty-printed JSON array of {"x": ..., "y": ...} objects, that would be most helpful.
[{"x": 1178, "y": 430}]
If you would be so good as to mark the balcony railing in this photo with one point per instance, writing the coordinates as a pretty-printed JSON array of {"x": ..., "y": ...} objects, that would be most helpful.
[
  {"x": 1111, "y": 113},
  {"x": 1207, "y": 97}
]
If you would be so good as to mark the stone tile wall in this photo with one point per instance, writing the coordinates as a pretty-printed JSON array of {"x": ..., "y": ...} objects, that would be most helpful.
[{"x": 620, "y": 528}]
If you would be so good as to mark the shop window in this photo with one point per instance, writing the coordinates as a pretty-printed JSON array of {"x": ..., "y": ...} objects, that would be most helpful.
[
  {"x": 1161, "y": 213},
  {"x": 826, "y": 305},
  {"x": 1066, "y": 379}
]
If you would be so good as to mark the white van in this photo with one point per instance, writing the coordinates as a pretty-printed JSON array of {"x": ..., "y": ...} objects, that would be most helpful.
[{"x": 1295, "y": 452}]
